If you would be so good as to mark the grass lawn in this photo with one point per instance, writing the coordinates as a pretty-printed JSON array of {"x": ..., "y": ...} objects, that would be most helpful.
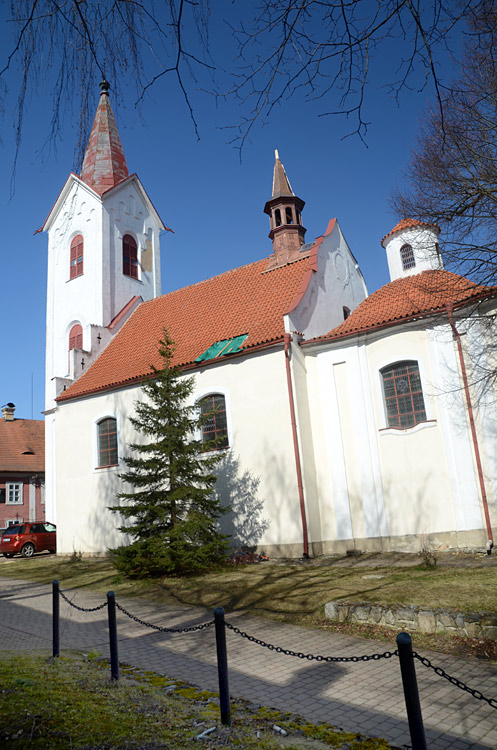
[
  {"x": 292, "y": 591},
  {"x": 296, "y": 591},
  {"x": 71, "y": 702}
]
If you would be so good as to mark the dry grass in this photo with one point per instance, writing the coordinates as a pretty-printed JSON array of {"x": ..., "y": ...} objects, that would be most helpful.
[{"x": 286, "y": 591}]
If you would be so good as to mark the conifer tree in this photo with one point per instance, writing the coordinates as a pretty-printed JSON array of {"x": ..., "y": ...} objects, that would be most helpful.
[{"x": 173, "y": 509}]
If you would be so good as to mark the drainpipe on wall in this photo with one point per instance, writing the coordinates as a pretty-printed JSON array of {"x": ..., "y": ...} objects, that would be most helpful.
[
  {"x": 476, "y": 447},
  {"x": 287, "y": 339}
]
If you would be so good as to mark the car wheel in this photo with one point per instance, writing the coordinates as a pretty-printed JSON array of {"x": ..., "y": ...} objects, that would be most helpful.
[
  {"x": 8, "y": 554},
  {"x": 28, "y": 550}
]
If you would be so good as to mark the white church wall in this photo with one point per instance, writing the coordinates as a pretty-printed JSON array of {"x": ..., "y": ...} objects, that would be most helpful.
[
  {"x": 257, "y": 473},
  {"x": 380, "y": 483},
  {"x": 336, "y": 284},
  {"x": 72, "y": 300},
  {"x": 125, "y": 212},
  {"x": 350, "y": 491}
]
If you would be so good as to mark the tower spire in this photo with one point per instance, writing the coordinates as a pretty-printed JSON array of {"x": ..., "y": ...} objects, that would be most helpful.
[
  {"x": 284, "y": 211},
  {"x": 104, "y": 164}
]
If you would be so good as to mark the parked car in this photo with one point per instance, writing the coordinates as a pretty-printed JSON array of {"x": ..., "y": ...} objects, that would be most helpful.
[{"x": 27, "y": 538}]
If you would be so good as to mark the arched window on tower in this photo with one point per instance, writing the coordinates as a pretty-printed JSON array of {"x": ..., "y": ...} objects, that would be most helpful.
[
  {"x": 76, "y": 263},
  {"x": 289, "y": 215},
  {"x": 407, "y": 257},
  {"x": 76, "y": 337},
  {"x": 277, "y": 217},
  {"x": 130, "y": 256}
]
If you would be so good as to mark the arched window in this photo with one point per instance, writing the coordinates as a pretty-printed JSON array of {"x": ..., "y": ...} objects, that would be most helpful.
[
  {"x": 403, "y": 394},
  {"x": 289, "y": 215},
  {"x": 107, "y": 442},
  {"x": 130, "y": 256},
  {"x": 76, "y": 265},
  {"x": 76, "y": 337},
  {"x": 215, "y": 426},
  {"x": 346, "y": 312},
  {"x": 407, "y": 257},
  {"x": 277, "y": 217}
]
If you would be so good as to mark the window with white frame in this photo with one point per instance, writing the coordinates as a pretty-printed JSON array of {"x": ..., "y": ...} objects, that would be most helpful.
[
  {"x": 14, "y": 493},
  {"x": 403, "y": 394}
]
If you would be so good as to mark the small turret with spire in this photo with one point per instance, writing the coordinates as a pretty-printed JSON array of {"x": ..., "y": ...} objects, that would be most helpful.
[{"x": 284, "y": 211}]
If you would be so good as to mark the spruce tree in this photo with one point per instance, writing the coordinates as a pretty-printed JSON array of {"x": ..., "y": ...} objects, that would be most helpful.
[{"x": 173, "y": 509}]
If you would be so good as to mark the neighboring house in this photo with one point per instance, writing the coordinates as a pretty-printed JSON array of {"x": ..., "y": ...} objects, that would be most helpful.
[
  {"x": 343, "y": 419},
  {"x": 22, "y": 469}
]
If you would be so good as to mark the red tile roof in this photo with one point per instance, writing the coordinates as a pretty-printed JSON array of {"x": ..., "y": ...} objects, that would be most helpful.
[
  {"x": 408, "y": 224},
  {"x": 22, "y": 445},
  {"x": 246, "y": 300},
  {"x": 408, "y": 298}
]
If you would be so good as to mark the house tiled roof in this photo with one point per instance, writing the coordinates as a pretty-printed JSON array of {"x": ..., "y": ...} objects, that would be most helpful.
[
  {"x": 408, "y": 298},
  {"x": 246, "y": 300},
  {"x": 22, "y": 445},
  {"x": 408, "y": 224}
]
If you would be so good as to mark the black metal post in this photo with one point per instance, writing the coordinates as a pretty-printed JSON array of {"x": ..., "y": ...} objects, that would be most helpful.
[
  {"x": 222, "y": 666},
  {"x": 55, "y": 617},
  {"x": 111, "y": 609},
  {"x": 409, "y": 682}
]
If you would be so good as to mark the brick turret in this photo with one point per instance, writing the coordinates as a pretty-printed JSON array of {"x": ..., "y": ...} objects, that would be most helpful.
[{"x": 284, "y": 211}]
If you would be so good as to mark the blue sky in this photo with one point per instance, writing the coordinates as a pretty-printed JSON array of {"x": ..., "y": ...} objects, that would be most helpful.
[{"x": 213, "y": 201}]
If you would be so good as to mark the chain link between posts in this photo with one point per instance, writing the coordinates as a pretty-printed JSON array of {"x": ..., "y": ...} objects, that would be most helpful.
[
  {"x": 492, "y": 702},
  {"x": 81, "y": 609},
  {"x": 310, "y": 657},
  {"x": 162, "y": 629}
]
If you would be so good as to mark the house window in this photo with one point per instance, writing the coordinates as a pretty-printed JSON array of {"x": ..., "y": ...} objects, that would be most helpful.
[
  {"x": 404, "y": 402},
  {"x": 107, "y": 442},
  {"x": 215, "y": 426},
  {"x": 346, "y": 312},
  {"x": 76, "y": 263},
  {"x": 76, "y": 337},
  {"x": 14, "y": 493},
  {"x": 407, "y": 257},
  {"x": 130, "y": 256}
]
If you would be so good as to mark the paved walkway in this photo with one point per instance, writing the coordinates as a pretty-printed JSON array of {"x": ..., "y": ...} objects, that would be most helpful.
[{"x": 365, "y": 697}]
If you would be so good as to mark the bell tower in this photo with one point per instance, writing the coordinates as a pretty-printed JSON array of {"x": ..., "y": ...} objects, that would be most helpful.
[
  {"x": 103, "y": 261},
  {"x": 285, "y": 215}
]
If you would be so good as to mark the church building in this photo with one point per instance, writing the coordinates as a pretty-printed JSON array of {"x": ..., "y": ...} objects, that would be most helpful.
[{"x": 344, "y": 420}]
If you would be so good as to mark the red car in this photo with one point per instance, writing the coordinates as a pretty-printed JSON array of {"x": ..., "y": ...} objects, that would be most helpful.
[{"x": 28, "y": 538}]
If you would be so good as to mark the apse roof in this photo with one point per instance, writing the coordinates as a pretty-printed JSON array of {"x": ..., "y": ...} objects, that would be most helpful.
[{"x": 407, "y": 298}]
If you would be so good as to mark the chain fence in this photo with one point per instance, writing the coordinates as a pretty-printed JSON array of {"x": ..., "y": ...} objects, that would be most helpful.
[
  {"x": 492, "y": 702},
  {"x": 81, "y": 609},
  {"x": 309, "y": 657}
]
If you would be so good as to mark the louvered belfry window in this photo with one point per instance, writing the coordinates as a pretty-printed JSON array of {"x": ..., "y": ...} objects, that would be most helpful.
[
  {"x": 107, "y": 442},
  {"x": 403, "y": 395},
  {"x": 76, "y": 337},
  {"x": 130, "y": 256},
  {"x": 76, "y": 266},
  {"x": 215, "y": 426}
]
